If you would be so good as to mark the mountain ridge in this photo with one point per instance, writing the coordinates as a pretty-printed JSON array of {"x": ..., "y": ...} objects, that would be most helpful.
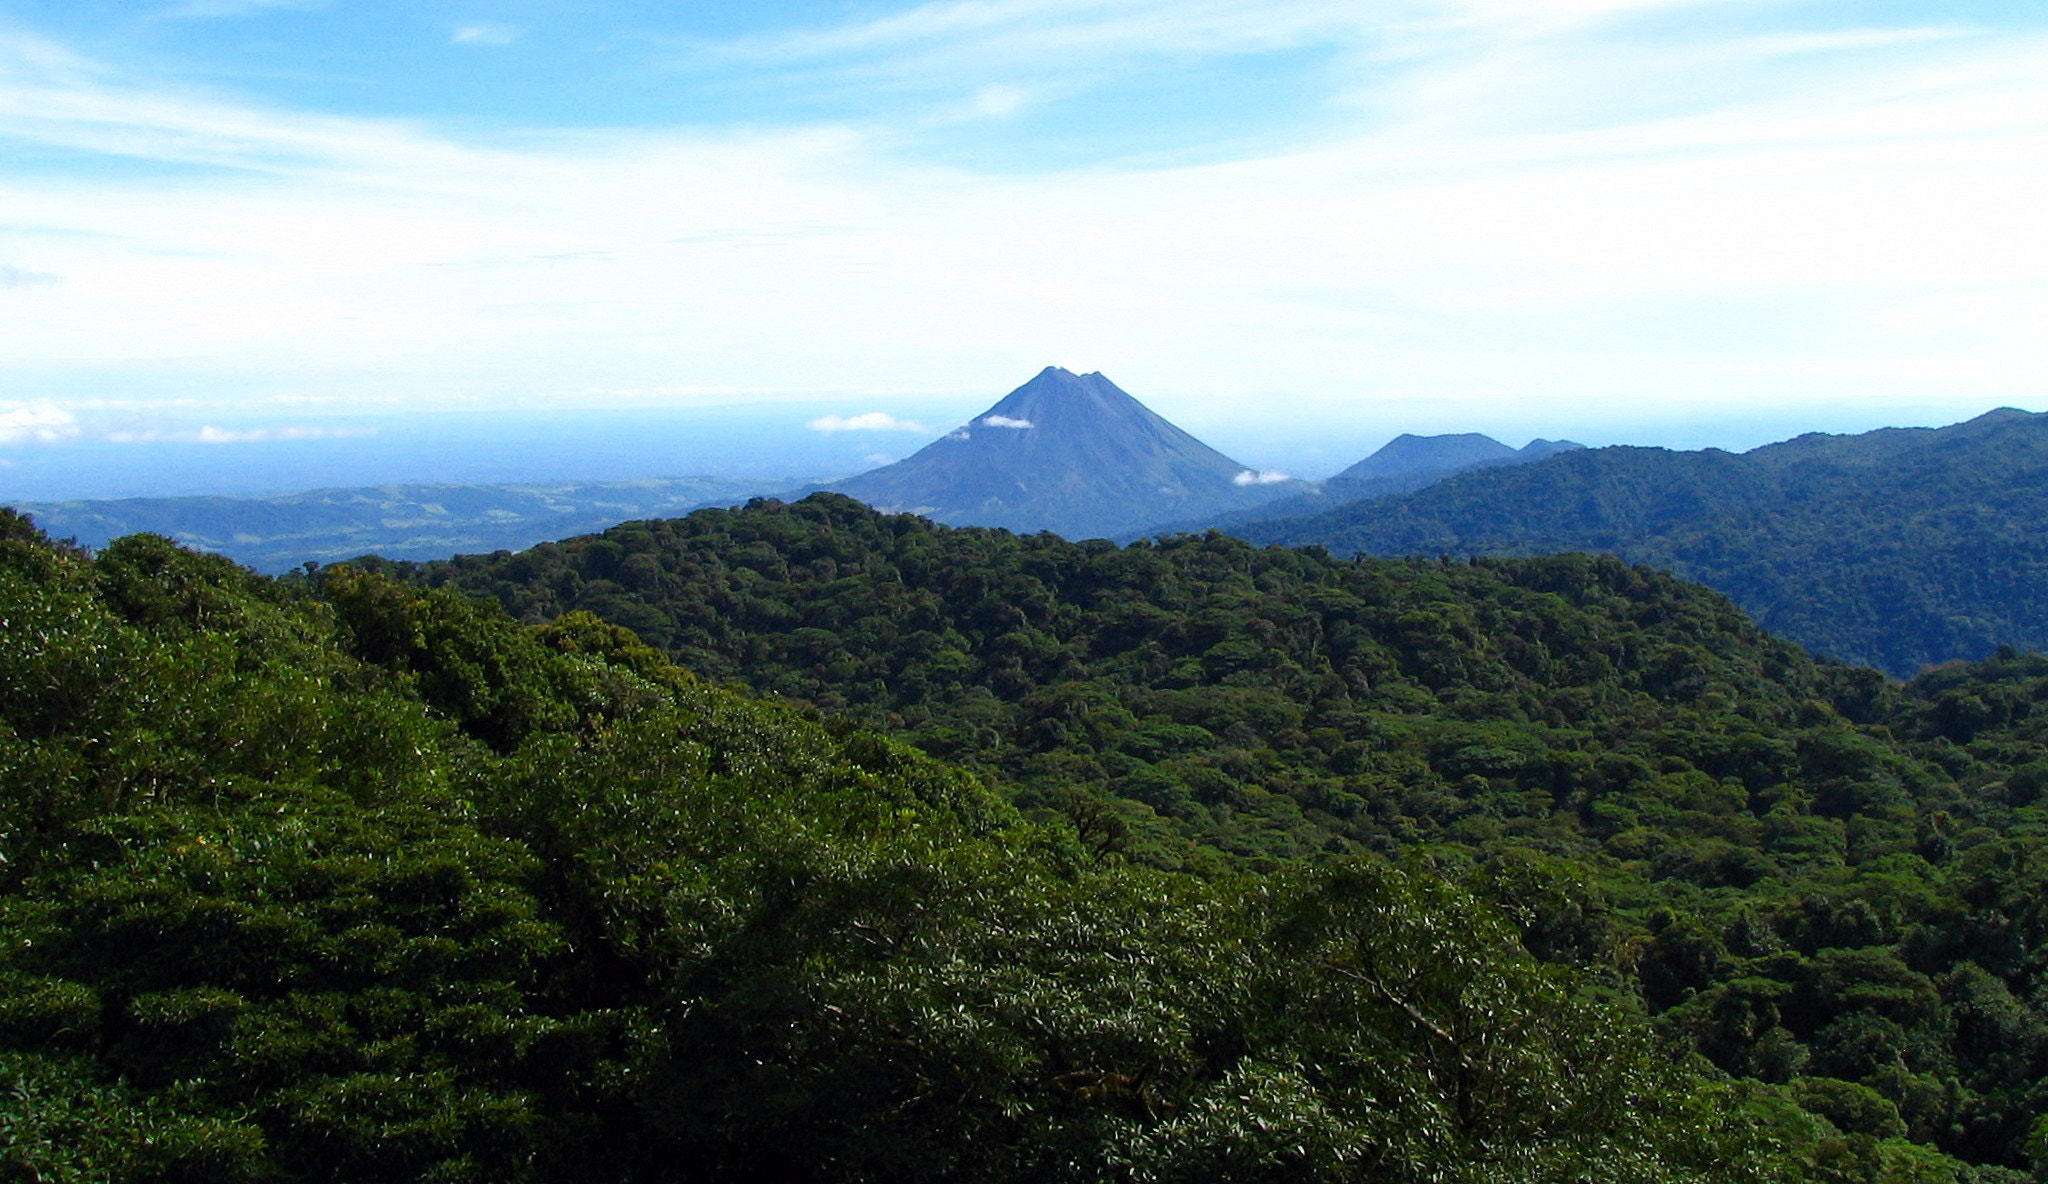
[
  {"x": 1404, "y": 464},
  {"x": 1900, "y": 548}
]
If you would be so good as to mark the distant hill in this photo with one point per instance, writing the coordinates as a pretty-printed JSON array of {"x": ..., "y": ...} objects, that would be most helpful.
[
  {"x": 1404, "y": 464},
  {"x": 1408, "y": 455},
  {"x": 1428, "y": 454},
  {"x": 1069, "y": 453},
  {"x": 275, "y": 534},
  {"x": 1897, "y": 548}
]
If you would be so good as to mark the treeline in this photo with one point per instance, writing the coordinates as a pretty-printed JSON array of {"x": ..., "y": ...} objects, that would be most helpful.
[
  {"x": 1817, "y": 878},
  {"x": 367, "y": 882}
]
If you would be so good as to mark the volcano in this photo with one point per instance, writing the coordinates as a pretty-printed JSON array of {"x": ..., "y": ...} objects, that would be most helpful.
[{"x": 1069, "y": 453}]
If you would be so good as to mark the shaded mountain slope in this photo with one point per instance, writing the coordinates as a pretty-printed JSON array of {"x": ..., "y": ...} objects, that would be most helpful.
[
  {"x": 1899, "y": 548},
  {"x": 1068, "y": 453}
]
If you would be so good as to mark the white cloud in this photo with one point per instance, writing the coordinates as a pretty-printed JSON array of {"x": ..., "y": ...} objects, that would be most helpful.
[
  {"x": 1505, "y": 215},
  {"x": 485, "y": 33},
  {"x": 1003, "y": 421},
  {"x": 1254, "y": 477},
  {"x": 872, "y": 421},
  {"x": 20, "y": 277},
  {"x": 42, "y": 421}
]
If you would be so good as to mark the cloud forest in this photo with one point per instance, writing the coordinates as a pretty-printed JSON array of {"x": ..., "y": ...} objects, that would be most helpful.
[{"x": 884, "y": 849}]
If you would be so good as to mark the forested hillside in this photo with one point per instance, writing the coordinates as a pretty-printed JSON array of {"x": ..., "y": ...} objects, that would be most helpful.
[
  {"x": 1899, "y": 549},
  {"x": 377, "y": 885},
  {"x": 1815, "y": 875},
  {"x": 1254, "y": 704},
  {"x": 350, "y": 879}
]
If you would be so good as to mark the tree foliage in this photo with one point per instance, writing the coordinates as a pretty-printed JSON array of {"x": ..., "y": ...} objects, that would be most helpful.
[
  {"x": 1805, "y": 872},
  {"x": 368, "y": 882}
]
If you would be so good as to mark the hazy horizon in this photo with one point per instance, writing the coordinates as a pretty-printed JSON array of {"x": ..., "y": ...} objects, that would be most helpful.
[{"x": 785, "y": 444}]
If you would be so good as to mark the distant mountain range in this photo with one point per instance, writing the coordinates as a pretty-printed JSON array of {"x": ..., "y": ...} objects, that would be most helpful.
[
  {"x": 1403, "y": 464},
  {"x": 1069, "y": 453},
  {"x": 1896, "y": 548},
  {"x": 275, "y": 534}
]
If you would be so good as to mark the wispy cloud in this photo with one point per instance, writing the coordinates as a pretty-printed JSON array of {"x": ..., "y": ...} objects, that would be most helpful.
[
  {"x": 998, "y": 101},
  {"x": 1003, "y": 421},
  {"x": 872, "y": 421},
  {"x": 980, "y": 59},
  {"x": 21, "y": 277},
  {"x": 51, "y": 96},
  {"x": 210, "y": 9},
  {"x": 1061, "y": 47},
  {"x": 1050, "y": 31},
  {"x": 485, "y": 33},
  {"x": 1254, "y": 477}
]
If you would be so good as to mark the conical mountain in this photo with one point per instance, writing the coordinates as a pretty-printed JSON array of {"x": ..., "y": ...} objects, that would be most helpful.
[{"x": 1070, "y": 453}]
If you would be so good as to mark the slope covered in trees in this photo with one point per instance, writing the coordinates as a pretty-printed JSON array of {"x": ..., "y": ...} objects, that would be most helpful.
[
  {"x": 1899, "y": 549},
  {"x": 369, "y": 883},
  {"x": 1262, "y": 704},
  {"x": 1817, "y": 877}
]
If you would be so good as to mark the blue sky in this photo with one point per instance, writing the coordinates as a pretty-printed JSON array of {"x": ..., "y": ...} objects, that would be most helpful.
[{"x": 1281, "y": 222}]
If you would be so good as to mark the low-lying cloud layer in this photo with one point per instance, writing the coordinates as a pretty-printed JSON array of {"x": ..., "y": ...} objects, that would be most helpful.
[
  {"x": 209, "y": 434},
  {"x": 872, "y": 421},
  {"x": 42, "y": 422}
]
